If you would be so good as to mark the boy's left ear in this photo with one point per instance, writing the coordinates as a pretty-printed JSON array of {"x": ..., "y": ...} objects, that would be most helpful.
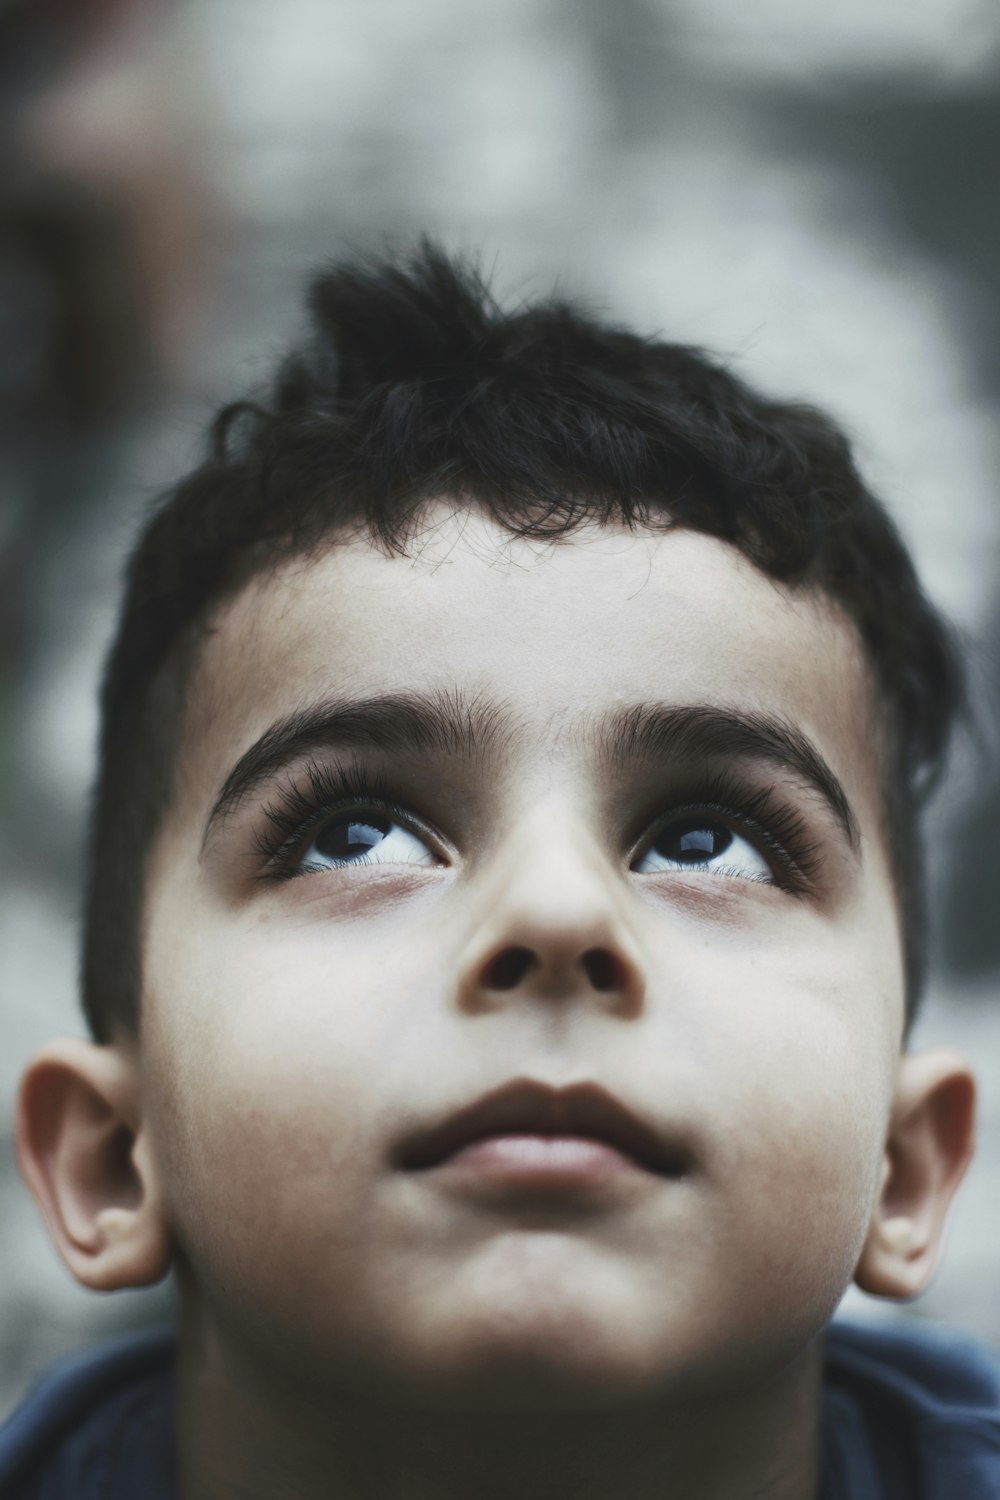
[{"x": 929, "y": 1146}]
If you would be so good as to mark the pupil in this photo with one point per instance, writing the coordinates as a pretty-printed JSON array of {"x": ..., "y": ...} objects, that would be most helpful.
[
  {"x": 694, "y": 845},
  {"x": 350, "y": 836}
]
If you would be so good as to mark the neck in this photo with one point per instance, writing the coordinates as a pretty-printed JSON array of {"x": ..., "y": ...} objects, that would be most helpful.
[{"x": 249, "y": 1437}]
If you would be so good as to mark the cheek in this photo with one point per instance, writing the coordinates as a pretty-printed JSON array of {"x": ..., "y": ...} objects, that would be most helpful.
[
  {"x": 802, "y": 1157},
  {"x": 806, "y": 1164},
  {"x": 792, "y": 1040},
  {"x": 258, "y": 1079}
]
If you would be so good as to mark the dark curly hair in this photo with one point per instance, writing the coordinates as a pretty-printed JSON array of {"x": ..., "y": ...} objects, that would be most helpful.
[{"x": 413, "y": 384}]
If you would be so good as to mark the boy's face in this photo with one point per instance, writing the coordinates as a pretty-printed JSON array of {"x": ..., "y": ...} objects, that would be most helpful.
[{"x": 589, "y": 881}]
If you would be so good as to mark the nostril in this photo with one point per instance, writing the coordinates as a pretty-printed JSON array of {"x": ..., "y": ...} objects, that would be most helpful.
[
  {"x": 507, "y": 970},
  {"x": 603, "y": 969}
]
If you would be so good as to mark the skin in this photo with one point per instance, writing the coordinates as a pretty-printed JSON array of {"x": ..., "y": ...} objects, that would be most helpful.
[{"x": 350, "y": 1327}]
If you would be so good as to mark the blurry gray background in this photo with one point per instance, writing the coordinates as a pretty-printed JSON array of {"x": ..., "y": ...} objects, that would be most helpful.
[{"x": 811, "y": 191}]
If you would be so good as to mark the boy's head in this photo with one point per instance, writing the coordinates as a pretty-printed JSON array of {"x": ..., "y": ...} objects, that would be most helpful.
[
  {"x": 415, "y": 387},
  {"x": 506, "y": 904}
]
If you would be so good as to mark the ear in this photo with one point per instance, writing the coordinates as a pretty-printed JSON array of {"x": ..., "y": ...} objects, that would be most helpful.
[
  {"x": 87, "y": 1160},
  {"x": 928, "y": 1148}
]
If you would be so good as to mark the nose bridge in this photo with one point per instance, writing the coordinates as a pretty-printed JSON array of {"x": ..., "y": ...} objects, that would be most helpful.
[{"x": 552, "y": 922}]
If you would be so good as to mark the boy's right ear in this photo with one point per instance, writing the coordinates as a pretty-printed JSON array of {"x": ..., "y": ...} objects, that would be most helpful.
[{"x": 87, "y": 1160}]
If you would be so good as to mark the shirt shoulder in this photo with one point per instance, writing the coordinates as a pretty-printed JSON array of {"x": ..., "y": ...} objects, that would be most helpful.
[
  {"x": 910, "y": 1410},
  {"x": 97, "y": 1427}
]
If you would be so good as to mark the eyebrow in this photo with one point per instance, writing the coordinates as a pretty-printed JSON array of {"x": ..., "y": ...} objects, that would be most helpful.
[
  {"x": 438, "y": 723},
  {"x": 446, "y": 723},
  {"x": 658, "y": 732}
]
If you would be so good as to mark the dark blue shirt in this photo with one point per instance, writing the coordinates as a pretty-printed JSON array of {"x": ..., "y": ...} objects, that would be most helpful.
[
  {"x": 909, "y": 1414},
  {"x": 99, "y": 1427}
]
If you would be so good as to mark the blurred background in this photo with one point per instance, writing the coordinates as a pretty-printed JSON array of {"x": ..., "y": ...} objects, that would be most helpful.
[{"x": 812, "y": 192}]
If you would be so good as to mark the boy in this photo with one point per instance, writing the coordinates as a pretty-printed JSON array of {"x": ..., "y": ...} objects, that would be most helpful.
[{"x": 504, "y": 927}]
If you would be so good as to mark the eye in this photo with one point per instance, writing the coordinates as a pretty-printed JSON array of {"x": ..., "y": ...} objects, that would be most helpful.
[
  {"x": 364, "y": 836},
  {"x": 703, "y": 842}
]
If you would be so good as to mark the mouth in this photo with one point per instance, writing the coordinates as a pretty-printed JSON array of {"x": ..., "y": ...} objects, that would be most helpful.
[{"x": 529, "y": 1132}]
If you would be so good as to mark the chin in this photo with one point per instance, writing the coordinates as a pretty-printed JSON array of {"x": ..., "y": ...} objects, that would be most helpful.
[
  {"x": 523, "y": 1381},
  {"x": 529, "y": 1359}
]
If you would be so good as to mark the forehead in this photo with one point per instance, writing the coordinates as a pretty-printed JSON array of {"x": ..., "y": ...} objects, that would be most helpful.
[{"x": 553, "y": 632}]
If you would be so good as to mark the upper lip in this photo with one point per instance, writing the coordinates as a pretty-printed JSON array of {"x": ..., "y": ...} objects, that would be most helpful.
[{"x": 529, "y": 1107}]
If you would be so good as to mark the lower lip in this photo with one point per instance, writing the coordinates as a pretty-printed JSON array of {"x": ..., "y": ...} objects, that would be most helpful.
[{"x": 542, "y": 1160}]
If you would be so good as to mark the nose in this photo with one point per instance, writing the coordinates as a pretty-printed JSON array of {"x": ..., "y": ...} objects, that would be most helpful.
[{"x": 553, "y": 926}]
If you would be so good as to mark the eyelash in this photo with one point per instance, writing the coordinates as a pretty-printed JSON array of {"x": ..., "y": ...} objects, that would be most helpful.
[
  {"x": 300, "y": 810},
  {"x": 778, "y": 830},
  {"x": 301, "y": 807}
]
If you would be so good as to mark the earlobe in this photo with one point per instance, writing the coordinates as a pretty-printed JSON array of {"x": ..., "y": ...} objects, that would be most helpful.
[
  {"x": 87, "y": 1161},
  {"x": 927, "y": 1151}
]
